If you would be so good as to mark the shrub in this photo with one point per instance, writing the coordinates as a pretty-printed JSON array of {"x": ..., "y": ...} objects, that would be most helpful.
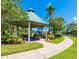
[
  {"x": 11, "y": 40},
  {"x": 19, "y": 40},
  {"x": 37, "y": 35},
  {"x": 22, "y": 34},
  {"x": 58, "y": 35},
  {"x": 50, "y": 36}
]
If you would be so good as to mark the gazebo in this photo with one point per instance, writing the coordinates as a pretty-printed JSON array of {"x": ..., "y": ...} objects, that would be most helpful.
[{"x": 34, "y": 21}]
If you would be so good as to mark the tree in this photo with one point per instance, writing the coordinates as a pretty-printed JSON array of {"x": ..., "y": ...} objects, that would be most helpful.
[
  {"x": 60, "y": 21},
  {"x": 50, "y": 10},
  {"x": 56, "y": 24},
  {"x": 64, "y": 29},
  {"x": 72, "y": 28},
  {"x": 11, "y": 13}
]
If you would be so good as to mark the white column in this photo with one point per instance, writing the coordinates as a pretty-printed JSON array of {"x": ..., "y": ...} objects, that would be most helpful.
[
  {"x": 29, "y": 31},
  {"x": 46, "y": 32},
  {"x": 42, "y": 31}
]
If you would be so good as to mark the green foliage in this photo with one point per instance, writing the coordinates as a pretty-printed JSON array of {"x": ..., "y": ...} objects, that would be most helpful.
[
  {"x": 56, "y": 24},
  {"x": 16, "y": 48},
  {"x": 37, "y": 35},
  {"x": 4, "y": 25},
  {"x": 22, "y": 34},
  {"x": 50, "y": 9},
  {"x": 11, "y": 40},
  {"x": 58, "y": 35},
  {"x": 72, "y": 27},
  {"x": 56, "y": 40},
  {"x": 64, "y": 30},
  {"x": 11, "y": 14},
  {"x": 50, "y": 36},
  {"x": 11, "y": 10}
]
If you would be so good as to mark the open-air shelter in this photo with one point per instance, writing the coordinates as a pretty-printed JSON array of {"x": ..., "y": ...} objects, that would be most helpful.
[{"x": 33, "y": 21}]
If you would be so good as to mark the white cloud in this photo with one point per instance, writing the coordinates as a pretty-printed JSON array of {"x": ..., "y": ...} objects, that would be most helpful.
[{"x": 74, "y": 18}]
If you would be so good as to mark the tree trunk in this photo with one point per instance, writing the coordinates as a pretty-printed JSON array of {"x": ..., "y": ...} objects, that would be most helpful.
[{"x": 49, "y": 22}]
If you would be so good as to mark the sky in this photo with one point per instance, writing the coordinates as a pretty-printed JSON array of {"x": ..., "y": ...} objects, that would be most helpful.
[{"x": 64, "y": 8}]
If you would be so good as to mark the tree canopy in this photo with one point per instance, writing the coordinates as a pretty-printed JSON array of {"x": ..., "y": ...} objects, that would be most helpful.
[
  {"x": 50, "y": 9},
  {"x": 72, "y": 26},
  {"x": 56, "y": 24},
  {"x": 11, "y": 11}
]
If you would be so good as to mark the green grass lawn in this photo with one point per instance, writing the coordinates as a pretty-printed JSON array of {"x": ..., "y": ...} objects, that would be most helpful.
[
  {"x": 70, "y": 53},
  {"x": 11, "y": 49},
  {"x": 58, "y": 40}
]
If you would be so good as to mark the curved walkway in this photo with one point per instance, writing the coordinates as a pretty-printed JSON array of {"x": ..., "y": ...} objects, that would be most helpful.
[{"x": 42, "y": 53}]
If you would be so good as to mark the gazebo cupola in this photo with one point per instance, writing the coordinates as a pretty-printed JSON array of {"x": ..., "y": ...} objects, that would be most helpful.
[{"x": 30, "y": 10}]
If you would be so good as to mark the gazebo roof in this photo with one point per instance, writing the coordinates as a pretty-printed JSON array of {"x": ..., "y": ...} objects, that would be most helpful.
[{"x": 34, "y": 18}]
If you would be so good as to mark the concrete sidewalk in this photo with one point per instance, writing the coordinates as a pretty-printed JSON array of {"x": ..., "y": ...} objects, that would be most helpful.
[{"x": 42, "y": 53}]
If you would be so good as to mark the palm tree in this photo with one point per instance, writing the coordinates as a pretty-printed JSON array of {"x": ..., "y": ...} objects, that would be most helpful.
[{"x": 50, "y": 10}]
